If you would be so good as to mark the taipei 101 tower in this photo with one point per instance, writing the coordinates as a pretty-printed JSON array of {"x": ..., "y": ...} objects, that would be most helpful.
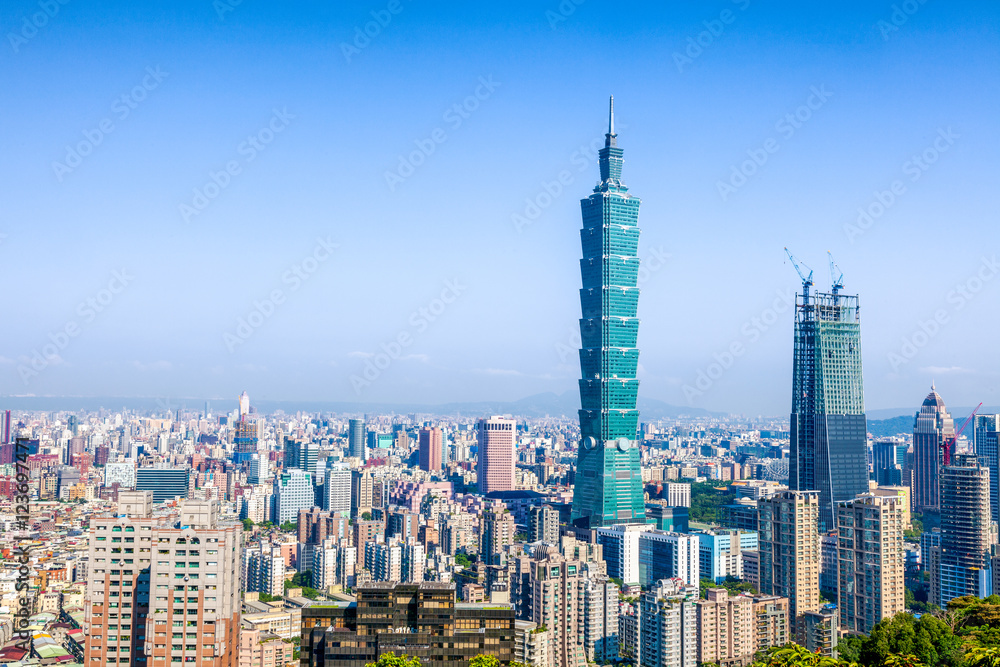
[{"x": 608, "y": 487}]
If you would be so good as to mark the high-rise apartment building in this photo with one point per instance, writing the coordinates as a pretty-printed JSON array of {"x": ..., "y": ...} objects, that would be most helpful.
[
  {"x": 932, "y": 429},
  {"x": 725, "y": 629},
  {"x": 829, "y": 433},
  {"x": 337, "y": 490},
  {"x": 356, "y": 438},
  {"x": 554, "y": 596},
  {"x": 197, "y": 584},
  {"x": 608, "y": 487},
  {"x": 771, "y": 626},
  {"x": 668, "y": 625},
  {"x": 872, "y": 564},
  {"x": 600, "y": 619},
  {"x": 664, "y": 555},
  {"x": 430, "y": 449},
  {"x": 162, "y": 589},
  {"x": 543, "y": 524},
  {"x": 987, "y": 433},
  {"x": 263, "y": 569},
  {"x": 497, "y": 438},
  {"x": 789, "y": 550},
  {"x": 496, "y": 535},
  {"x": 963, "y": 559},
  {"x": 819, "y": 630}
]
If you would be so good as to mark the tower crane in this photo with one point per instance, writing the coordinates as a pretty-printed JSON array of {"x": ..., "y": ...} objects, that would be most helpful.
[
  {"x": 807, "y": 281},
  {"x": 949, "y": 444},
  {"x": 836, "y": 275}
]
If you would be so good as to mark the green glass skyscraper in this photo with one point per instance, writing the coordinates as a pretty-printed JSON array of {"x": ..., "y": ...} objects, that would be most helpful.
[{"x": 608, "y": 487}]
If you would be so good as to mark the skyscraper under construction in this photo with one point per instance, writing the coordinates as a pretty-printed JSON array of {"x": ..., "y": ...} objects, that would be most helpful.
[
  {"x": 828, "y": 428},
  {"x": 608, "y": 488}
]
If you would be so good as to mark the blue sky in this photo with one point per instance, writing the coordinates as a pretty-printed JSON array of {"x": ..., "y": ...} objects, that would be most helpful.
[{"x": 302, "y": 124}]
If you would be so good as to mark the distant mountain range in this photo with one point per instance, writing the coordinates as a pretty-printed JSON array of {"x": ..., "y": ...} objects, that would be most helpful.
[
  {"x": 903, "y": 424},
  {"x": 540, "y": 405}
]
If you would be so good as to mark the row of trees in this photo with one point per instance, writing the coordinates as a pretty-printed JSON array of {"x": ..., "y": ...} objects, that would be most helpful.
[{"x": 966, "y": 634}]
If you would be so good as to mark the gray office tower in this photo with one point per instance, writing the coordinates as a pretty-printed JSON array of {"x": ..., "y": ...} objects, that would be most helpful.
[
  {"x": 356, "y": 438},
  {"x": 829, "y": 439},
  {"x": 987, "y": 430},
  {"x": 888, "y": 462},
  {"x": 165, "y": 483}
]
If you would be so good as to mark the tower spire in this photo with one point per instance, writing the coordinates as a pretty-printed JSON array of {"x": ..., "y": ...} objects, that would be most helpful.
[{"x": 609, "y": 138}]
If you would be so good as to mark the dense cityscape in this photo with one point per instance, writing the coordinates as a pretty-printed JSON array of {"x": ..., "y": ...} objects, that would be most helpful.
[{"x": 222, "y": 536}]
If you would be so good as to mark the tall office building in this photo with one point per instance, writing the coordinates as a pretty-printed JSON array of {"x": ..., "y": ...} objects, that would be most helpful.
[
  {"x": 829, "y": 433},
  {"x": 987, "y": 432},
  {"x": 356, "y": 438},
  {"x": 259, "y": 469},
  {"x": 301, "y": 454},
  {"x": 668, "y": 625},
  {"x": 962, "y": 561},
  {"x": 721, "y": 553},
  {"x": 933, "y": 427},
  {"x": 889, "y": 462},
  {"x": 165, "y": 483},
  {"x": 293, "y": 491},
  {"x": 497, "y": 439},
  {"x": 678, "y": 494},
  {"x": 789, "y": 550},
  {"x": 430, "y": 449},
  {"x": 608, "y": 487},
  {"x": 871, "y": 561}
]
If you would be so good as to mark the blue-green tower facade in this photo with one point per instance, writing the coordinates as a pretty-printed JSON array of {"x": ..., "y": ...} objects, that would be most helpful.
[{"x": 608, "y": 487}]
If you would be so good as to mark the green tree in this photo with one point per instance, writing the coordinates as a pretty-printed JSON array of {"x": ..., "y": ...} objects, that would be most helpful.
[
  {"x": 483, "y": 660},
  {"x": 247, "y": 525},
  {"x": 849, "y": 648},
  {"x": 288, "y": 526},
  {"x": 366, "y": 516},
  {"x": 793, "y": 655},
  {"x": 982, "y": 657},
  {"x": 463, "y": 560},
  {"x": 393, "y": 660}
]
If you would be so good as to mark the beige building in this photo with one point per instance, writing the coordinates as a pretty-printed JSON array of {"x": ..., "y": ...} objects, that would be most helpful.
[
  {"x": 771, "y": 627},
  {"x": 262, "y": 649},
  {"x": 725, "y": 628},
  {"x": 871, "y": 560},
  {"x": 188, "y": 608},
  {"x": 532, "y": 644},
  {"x": 789, "y": 550}
]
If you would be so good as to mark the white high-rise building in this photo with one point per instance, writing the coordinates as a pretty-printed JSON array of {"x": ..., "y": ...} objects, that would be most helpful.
[
  {"x": 678, "y": 494},
  {"x": 337, "y": 490}
]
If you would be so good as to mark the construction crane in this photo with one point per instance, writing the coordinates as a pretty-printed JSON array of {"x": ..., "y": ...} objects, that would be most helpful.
[
  {"x": 807, "y": 281},
  {"x": 836, "y": 275},
  {"x": 949, "y": 444}
]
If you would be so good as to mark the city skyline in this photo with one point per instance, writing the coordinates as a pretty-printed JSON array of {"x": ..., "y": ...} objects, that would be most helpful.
[{"x": 690, "y": 120}]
